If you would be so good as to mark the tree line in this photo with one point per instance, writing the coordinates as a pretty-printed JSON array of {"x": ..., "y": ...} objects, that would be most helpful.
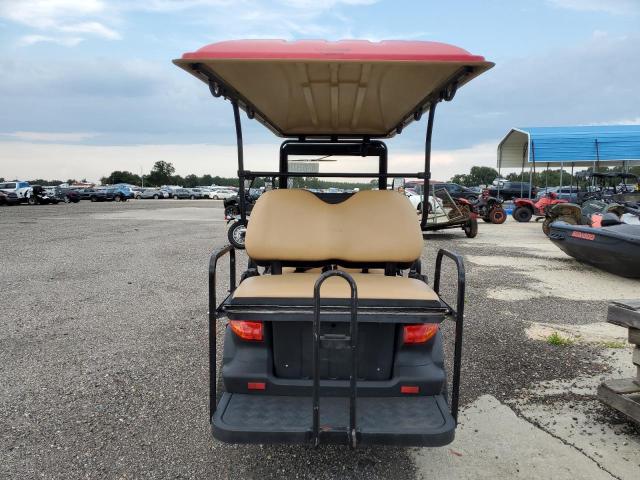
[{"x": 163, "y": 173}]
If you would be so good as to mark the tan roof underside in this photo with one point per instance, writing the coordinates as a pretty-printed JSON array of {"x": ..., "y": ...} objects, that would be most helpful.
[{"x": 319, "y": 97}]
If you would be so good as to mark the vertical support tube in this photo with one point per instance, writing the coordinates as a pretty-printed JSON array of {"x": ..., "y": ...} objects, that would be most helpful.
[
  {"x": 546, "y": 178},
  {"x": 383, "y": 168},
  {"x": 561, "y": 172},
  {"x": 524, "y": 153},
  {"x": 597, "y": 156},
  {"x": 242, "y": 201},
  {"x": 427, "y": 165},
  {"x": 533, "y": 164},
  {"x": 284, "y": 167},
  {"x": 571, "y": 186},
  {"x": 212, "y": 337}
]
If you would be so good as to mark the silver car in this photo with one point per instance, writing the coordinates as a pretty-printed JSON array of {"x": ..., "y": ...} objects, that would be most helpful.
[{"x": 153, "y": 193}]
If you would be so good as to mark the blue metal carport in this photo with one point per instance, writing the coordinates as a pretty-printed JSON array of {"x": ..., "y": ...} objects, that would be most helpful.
[{"x": 578, "y": 146}]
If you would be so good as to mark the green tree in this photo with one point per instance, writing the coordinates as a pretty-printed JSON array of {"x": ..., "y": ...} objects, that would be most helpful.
[
  {"x": 119, "y": 176},
  {"x": 161, "y": 173},
  {"x": 191, "y": 181},
  {"x": 477, "y": 176}
]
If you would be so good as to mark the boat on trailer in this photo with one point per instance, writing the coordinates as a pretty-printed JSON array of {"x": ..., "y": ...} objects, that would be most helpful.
[
  {"x": 614, "y": 247},
  {"x": 333, "y": 332}
]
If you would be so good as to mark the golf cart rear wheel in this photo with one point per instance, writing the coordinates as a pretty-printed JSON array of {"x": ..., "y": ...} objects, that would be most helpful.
[
  {"x": 497, "y": 215},
  {"x": 236, "y": 234},
  {"x": 522, "y": 214},
  {"x": 471, "y": 228}
]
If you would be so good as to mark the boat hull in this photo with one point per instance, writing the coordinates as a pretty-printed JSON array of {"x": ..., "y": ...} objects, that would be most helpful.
[{"x": 615, "y": 249}]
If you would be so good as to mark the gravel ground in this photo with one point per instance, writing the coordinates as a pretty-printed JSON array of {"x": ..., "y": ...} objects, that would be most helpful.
[{"x": 103, "y": 347}]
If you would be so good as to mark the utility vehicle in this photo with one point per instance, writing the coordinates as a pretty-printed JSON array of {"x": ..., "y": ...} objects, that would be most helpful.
[{"x": 333, "y": 333}]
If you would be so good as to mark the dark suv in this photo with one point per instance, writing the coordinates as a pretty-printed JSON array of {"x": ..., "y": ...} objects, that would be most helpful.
[
  {"x": 511, "y": 190},
  {"x": 457, "y": 191}
]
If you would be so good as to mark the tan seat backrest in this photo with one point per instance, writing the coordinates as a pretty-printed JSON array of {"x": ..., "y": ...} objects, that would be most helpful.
[{"x": 370, "y": 226}]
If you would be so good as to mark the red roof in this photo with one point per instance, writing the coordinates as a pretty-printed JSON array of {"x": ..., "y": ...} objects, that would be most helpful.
[{"x": 387, "y": 50}]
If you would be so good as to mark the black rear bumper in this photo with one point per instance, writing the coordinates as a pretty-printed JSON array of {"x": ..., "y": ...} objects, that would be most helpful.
[{"x": 404, "y": 421}]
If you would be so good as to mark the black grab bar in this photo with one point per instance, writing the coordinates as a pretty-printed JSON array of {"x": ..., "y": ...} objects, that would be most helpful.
[
  {"x": 353, "y": 342},
  {"x": 214, "y": 313},
  {"x": 458, "y": 316}
]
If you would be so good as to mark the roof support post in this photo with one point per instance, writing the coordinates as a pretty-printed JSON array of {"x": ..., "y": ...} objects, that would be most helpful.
[
  {"x": 524, "y": 153},
  {"x": 427, "y": 165},
  {"x": 533, "y": 164},
  {"x": 561, "y": 172},
  {"x": 241, "y": 193}
]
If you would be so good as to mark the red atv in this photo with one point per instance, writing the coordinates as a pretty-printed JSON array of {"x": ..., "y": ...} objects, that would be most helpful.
[
  {"x": 486, "y": 207},
  {"x": 525, "y": 208}
]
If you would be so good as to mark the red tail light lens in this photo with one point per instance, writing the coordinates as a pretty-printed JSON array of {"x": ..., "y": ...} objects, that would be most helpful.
[
  {"x": 247, "y": 330},
  {"x": 409, "y": 389},
  {"x": 419, "y": 332}
]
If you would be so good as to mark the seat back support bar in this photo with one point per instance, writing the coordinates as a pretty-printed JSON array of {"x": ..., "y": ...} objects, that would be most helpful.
[
  {"x": 458, "y": 316},
  {"x": 353, "y": 341}
]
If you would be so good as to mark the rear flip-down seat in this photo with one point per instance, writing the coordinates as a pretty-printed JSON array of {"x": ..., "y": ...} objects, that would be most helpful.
[{"x": 370, "y": 230}]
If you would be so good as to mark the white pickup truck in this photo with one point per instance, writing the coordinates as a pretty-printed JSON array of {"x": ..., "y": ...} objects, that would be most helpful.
[{"x": 20, "y": 188}]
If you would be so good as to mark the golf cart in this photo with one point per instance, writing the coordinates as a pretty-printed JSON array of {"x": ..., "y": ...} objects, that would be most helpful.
[{"x": 333, "y": 333}]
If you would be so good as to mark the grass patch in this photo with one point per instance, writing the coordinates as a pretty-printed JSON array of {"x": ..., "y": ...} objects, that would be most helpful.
[
  {"x": 614, "y": 344},
  {"x": 559, "y": 341}
]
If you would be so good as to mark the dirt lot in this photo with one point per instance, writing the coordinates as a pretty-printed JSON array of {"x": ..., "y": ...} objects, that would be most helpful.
[{"x": 103, "y": 358}]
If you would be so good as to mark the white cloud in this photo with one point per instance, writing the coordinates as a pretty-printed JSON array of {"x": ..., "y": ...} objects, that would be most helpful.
[
  {"x": 94, "y": 28},
  {"x": 55, "y": 17},
  {"x": 27, "y": 40},
  {"x": 51, "y": 136},
  {"x": 615, "y": 7},
  {"x": 21, "y": 159}
]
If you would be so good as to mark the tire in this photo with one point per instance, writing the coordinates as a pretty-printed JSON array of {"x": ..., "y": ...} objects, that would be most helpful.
[
  {"x": 236, "y": 234},
  {"x": 486, "y": 219},
  {"x": 192, "y": 197},
  {"x": 215, "y": 197},
  {"x": 117, "y": 198},
  {"x": 156, "y": 197},
  {"x": 546, "y": 226},
  {"x": 93, "y": 199},
  {"x": 67, "y": 199},
  {"x": 471, "y": 228},
  {"x": 231, "y": 210},
  {"x": 522, "y": 214},
  {"x": 32, "y": 201},
  {"x": 497, "y": 215}
]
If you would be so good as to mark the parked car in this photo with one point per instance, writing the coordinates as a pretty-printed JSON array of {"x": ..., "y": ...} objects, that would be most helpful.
[
  {"x": 457, "y": 191},
  {"x": 566, "y": 193},
  {"x": 222, "y": 194},
  {"x": 9, "y": 198},
  {"x": 91, "y": 194},
  {"x": 39, "y": 195},
  {"x": 20, "y": 188},
  {"x": 182, "y": 193},
  {"x": 121, "y": 193},
  {"x": 510, "y": 190},
  {"x": 197, "y": 193},
  {"x": 153, "y": 193}
]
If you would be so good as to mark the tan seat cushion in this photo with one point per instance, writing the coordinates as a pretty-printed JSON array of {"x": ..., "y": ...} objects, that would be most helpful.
[
  {"x": 300, "y": 286},
  {"x": 371, "y": 226}
]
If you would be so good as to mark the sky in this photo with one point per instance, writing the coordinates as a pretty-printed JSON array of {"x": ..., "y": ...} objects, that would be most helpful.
[{"x": 88, "y": 87}]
